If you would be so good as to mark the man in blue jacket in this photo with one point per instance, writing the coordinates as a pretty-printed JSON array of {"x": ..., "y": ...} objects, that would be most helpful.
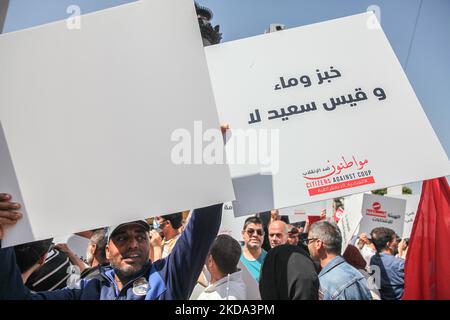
[
  {"x": 131, "y": 275},
  {"x": 338, "y": 279}
]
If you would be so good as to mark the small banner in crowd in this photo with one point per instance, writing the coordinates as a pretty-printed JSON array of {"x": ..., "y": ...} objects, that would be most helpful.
[
  {"x": 364, "y": 212},
  {"x": 382, "y": 211},
  {"x": 412, "y": 203}
]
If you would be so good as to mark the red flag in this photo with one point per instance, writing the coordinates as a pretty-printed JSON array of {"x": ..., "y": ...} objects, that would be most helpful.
[
  {"x": 427, "y": 268},
  {"x": 338, "y": 214},
  {"x": 312, "y": 219}
]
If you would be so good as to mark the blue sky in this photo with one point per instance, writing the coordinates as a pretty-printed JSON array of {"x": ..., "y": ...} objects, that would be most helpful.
[{"x": 417, "y": 29}]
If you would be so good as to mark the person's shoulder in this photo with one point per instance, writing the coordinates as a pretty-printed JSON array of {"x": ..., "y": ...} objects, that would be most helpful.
[
  {"x": 341, "y": 274},
  {"x": 399, "y": 263},
  {"x": 263, "y": 255},
  {"x": 243, "y": 259},
  {"x": 375, "y": 259},
  {"x": 95, "y": 272},
  {"x": 389, "y": 259},
  {"x": 353, "y": 272},
  {"x": 53, "y": 274},
  {"x": 210, "y": 295},
  {"x": 160, "y": 264}
]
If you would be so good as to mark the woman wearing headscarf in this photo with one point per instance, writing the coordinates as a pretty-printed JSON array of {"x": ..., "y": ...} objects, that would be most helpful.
[{"x": 288, "y": 273}]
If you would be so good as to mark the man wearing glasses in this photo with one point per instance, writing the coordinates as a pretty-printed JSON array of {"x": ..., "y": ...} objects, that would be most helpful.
[
  {"x": 253, "y": 254},
  {"x": 338, "y": 279}
]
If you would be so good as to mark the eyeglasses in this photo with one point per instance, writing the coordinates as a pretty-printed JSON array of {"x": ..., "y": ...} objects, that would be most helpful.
[
  {"x": 163, "y": 223},
  {"x": 250, "y": 232},
  {"x": 159, "y": 225},
  {"x": 311, "y": 239}
]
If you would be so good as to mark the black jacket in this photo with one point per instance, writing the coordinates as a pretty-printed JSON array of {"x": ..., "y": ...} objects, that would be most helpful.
[{"x": 288, "y": 273}]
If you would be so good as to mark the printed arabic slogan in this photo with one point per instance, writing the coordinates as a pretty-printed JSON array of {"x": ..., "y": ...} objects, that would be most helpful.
[
  {"x": 334, "y": 180},
  {"x": 334, "y": 102},
  {"x": 333, "y": 112}
]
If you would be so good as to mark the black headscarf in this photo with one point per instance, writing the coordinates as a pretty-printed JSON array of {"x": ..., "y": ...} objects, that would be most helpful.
[{"x": 288, "y": 273}]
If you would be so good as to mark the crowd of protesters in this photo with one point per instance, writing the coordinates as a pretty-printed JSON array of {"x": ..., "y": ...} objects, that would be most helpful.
[
  {"x": 169, "y": 257},
  {"x": 164, "y": 260}
]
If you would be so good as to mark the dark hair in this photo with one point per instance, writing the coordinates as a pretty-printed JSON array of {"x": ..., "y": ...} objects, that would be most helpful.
[
  {"x": 28, "y": 254},
  {"x": 226, "y": 252},
  {"x": 300, "y": 224},
  {"x": 381, "y": 236},
  {"x": 175, "y": 219},
  {"x": 53, "y": 274},
  {"x": 100, "y": 239},
  {"x": 293, "y": 230},
  {"x": 253, "y": 219},
  {"x": 354, "y": 257},
  {"x": 407, "y": 241}
]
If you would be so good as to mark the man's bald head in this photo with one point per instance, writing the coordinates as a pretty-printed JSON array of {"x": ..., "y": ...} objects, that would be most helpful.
[{"x": 278, "y": 233}]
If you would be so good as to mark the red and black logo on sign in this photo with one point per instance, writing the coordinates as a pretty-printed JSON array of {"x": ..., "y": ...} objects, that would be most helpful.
[{"x": 376, "y": 211}]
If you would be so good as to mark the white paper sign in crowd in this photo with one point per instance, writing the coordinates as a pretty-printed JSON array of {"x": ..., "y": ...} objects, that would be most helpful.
[
  {"x": 412, "y": 203},
  {"x": 230, "y": 224},
  {"x": 349, "y": 221},
  {"x": 89, "y": 115},
  {"x": 76, "y": 243},
  {"x": 382, "y": 211},
  {"x": 309, "y": 209},
  {"x": 316, "y": 106},
  {"x": 366, "y": 211}
]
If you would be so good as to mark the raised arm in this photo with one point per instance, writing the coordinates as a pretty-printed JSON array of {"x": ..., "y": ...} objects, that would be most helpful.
[
  {"x": 182, "y": 267},
  {"x": 11, "y": 283}
]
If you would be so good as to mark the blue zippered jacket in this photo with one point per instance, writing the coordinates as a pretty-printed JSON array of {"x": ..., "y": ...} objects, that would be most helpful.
[
  {"x": 340, "y": 281},
  {"x": 172, "y": 278}
]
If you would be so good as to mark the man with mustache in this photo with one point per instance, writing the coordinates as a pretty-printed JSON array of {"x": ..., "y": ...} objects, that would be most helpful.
[{"x": 130, "y": 275}]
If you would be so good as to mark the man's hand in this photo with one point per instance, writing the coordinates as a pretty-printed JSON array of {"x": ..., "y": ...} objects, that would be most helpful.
[
  {"x": 72, "y": 256},
  {"x": 156, "y": 250},
  {"x": 363, "y": 237},
  {"x": 64, "y": 248},
  {"x": 9, "y": 214},
  {"x": 402, "y": 247},
  {"x": 155, "y": 239},
  {"x": 362, "y": 241}
]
